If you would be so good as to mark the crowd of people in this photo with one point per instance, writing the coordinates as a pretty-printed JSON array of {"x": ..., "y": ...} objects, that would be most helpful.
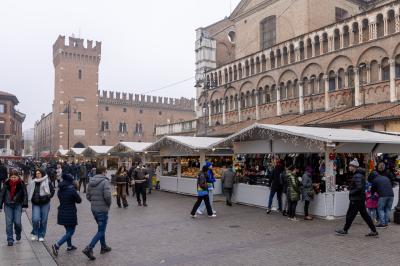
[
  {"x": 372, "y": 197},
  {"x": 41, "y": 183}
]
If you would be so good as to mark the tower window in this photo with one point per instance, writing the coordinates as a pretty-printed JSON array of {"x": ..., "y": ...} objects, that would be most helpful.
[
  {"x": 160, "y": 113},
  {"x": 141, "y": 111},
  {"x": 107, "y": 108},
  {"x": 80, "y": 74},
  {"x": 103, "y": 142},
  {"x": 268, "y": 32},
  {"x": 79, "y": 116},
  {"x": 124, "y": 110},
  {"x": 341, "y": 14}
]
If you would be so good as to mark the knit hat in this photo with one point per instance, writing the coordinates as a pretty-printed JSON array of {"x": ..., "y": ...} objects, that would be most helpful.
[
  {"x": 68, "y": 177},
  {"x": 354, "y": 163}
]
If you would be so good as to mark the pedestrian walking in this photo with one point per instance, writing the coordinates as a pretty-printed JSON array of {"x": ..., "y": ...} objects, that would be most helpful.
[
  {"x": 383, "y": 186},
  {"x": 120, "y": 180},
  {"x": 67, "y": 212},
  {"x": 83, "y": 177},
  {"x": 293, "y": 191},
  {"x": 59, "y": 172},
  {"x": 158, "y": 175},
  {"x": 99, "y": 195},
  {"x": 3, "y": 173},
  {"x": 357, "y": 200},
  {"x": 150, "y": 172},
  {"x": 40, "y": 192},
  {"x": 307, "y": 191},
  {"x": 210, "y": 182},
  {"x": 140, "y": 178},
  {"x": 14, "y": 197},
  {"x": 371, "y": 202},
  {"x": 276, "y": 186},
  {"x": 228, "y": 179},
  {"x": 202, "y": 194}
]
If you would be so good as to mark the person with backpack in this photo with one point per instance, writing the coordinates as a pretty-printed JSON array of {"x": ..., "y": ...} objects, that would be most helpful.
[
  {"x": 202, "y": 194},
  {"x": 293, "y": 191},
  {"x": 14, "y": 197},
  {"x": 67, "y": 212},
  {"x": 210, "y": 181},
  {"x": 276, "y": 186},
  {"x": 307, "y": 191}
]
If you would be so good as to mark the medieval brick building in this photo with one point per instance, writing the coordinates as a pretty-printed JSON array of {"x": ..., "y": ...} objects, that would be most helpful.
[
  {"x": 330, "y": 63},
  {"x": 83, "y": 115}
]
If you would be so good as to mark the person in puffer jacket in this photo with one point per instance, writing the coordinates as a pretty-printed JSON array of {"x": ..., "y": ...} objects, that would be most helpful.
[
  {"x": 202, "y": 194},
  {"x": 210, "y": 183},
  {"x": 99, "y": 195}
]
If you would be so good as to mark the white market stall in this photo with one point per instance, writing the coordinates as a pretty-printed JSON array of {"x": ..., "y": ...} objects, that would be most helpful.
[
  {"x": 130, "y": 152},
  {"x": 278, "y": 139},
  {"x": 76, "y": 153},
  {"x": 181, "y": 158}
]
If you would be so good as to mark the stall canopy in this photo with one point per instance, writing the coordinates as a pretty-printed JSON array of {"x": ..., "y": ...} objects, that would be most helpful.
[
  {"x": 130, "y": 147},
  {"x": 76, "y": 151},
  {"x": 92, "y": 151},
  {"x": 182, "y": 145},
  {"x": 263, "y": 138},
  {"x": 62, "y": 152}
]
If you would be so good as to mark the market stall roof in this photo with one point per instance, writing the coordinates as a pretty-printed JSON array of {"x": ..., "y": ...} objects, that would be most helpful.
[
  {"x": 380, "y": 142},
  {"x": 62, "y": 152},
  {"x": 76, "y": 151},
  {"x": 193, "y": 143},
  {"x": 97, "y": 150},
  {"x": 130, "y": 147}
]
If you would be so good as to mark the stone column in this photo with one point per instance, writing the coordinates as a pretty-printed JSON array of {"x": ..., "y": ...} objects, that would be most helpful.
[
  {"x": 257, "y": 107},
  {"x": 385, "y": 26},
  {"x": 312, "y": 48},
  {"x": 209, "y": 115},
  {"x": 326, "y": 80},
  {"x": 341, "y": 40},
  {"x": 368, "y": 68},
  {"x": 346, "y": 80},
  {"x": 397, "y": 22},
  {"x": 360, "y": 33},
  {"x": 321, "y": 46},
  {"x": 301, "y": 98},
  {"x": 356, "y": 87},
  {"x": 224, "y": 112},
  {"x": 239, "y": 108},
  {"x": 380, "y": 77},
  {"x": 278, "y": 102},
  {"x": 393, "y": 93},
  {"x": 297, "y": 54}
]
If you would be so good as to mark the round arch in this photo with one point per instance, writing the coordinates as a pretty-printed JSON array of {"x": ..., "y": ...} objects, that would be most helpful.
[
  {"x": 311, "y": 69},
  {"x": 372, "y": 53},
  {"x": 288, "y": 75},
  {"x": 79, "y": 145},
  {"x": 337, "y": 63}
]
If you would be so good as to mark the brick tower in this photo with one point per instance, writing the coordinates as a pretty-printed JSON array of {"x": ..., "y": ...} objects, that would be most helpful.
[{"x": 75, "y": 106}]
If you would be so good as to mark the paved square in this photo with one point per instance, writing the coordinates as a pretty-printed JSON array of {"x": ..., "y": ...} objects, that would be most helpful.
[{"x": 164, "y": 234}]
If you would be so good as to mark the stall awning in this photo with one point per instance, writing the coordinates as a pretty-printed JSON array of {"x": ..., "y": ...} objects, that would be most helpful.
[
  {"x": 62, "y": 152},
  {"x": 133, "y": 147},
  {"x": 183, "y": 144},
  {"x": 96, "y": 150},
  {"x": 76, "y": 151},
  {"x": 278, "y": 138}
]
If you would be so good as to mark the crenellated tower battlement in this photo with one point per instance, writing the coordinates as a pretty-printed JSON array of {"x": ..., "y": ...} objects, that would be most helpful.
[
  {"x": 76, "y": 49},
  {"x": 129, "y": 99}
]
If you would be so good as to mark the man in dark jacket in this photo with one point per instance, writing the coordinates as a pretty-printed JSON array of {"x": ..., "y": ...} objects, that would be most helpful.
[
  {"x": 140, "y": 176},
  {"x": 99, "y": 195},
  {"x": 383, "y": 186},
  {"x": 357, "y": 200},
  {"x": 228, "y": 180},
  {"x": 3, "y": 173},
  {"x": 83, "y": 177},
  {"x": 276, "y": 186}
]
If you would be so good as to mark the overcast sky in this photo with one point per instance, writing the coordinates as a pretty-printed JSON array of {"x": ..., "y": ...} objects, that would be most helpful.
[{"x": 146, "y": 45}]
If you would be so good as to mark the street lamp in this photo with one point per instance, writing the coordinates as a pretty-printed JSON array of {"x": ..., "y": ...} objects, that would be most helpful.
[{"x": 67, "y": 111}]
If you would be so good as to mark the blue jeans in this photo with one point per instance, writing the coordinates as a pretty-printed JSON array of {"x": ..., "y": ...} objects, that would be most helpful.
[
  {"x": 372, "y": 213},
  {"x": 40, "y": 213},
  {"x": 385, "y": 209},
  {"x": 13, "y": 217},
  {"x": 202, "y": 207},
  {"x": 271, "y": 197},
  {"x": 69, "y": 232},
  {"x": 101, "y": 220}
]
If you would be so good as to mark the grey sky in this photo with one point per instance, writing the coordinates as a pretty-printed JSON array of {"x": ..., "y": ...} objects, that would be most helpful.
[{"x": 145, "y": 44}]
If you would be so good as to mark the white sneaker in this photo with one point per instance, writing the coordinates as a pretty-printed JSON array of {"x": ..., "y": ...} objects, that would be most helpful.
[
  {"x": 34, "y": 238},
  {"x": 212, "y": 216},
  {"x": 294, "y": 219},
  {"x": 41, "y": 239},
  {"x": 199, "y": 212},
  {"x": 214, "y": 212},
  {"x": 193, "y": 216}
]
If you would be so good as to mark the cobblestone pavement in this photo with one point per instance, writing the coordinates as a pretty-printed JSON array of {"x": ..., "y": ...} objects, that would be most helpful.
[{"x": 164, "y": 234}]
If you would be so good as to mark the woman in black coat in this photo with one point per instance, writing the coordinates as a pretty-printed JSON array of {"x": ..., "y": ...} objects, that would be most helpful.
[{"x": 67, "y": 216}]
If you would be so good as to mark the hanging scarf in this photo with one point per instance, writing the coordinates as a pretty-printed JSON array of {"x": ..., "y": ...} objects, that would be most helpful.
[
  {"x": 13, "y": 186},
  {"x": 44, "y": 187}
]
